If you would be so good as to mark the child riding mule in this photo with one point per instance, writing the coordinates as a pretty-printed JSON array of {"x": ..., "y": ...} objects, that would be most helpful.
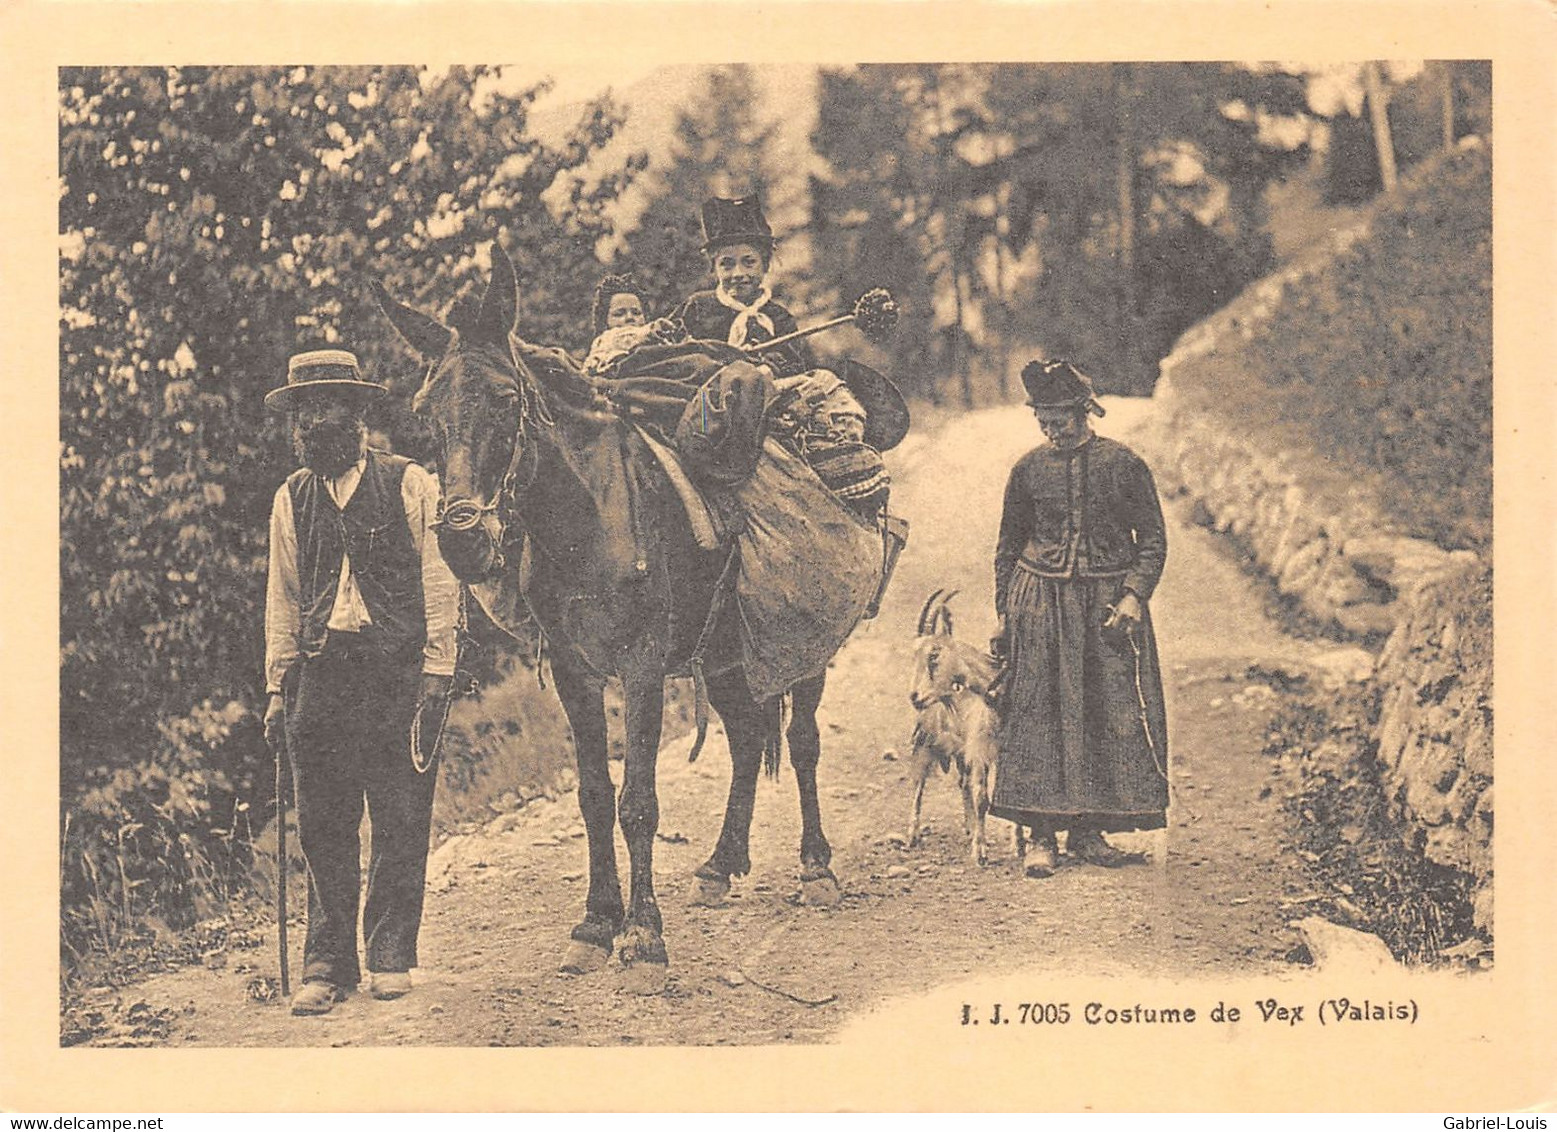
[{"x": 533, "y": 468}]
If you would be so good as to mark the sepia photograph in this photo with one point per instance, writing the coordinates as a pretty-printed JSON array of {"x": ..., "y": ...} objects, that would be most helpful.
[{"x": 638, "y": 552}]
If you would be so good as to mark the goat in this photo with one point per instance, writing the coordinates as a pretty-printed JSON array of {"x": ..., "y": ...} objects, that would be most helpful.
[{"x": 950, "y": 690}]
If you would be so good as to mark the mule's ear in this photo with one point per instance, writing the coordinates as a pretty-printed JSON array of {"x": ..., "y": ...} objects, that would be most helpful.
[
  {"x": 500, "y": 305},
  {"x": 427, "y": 336}
]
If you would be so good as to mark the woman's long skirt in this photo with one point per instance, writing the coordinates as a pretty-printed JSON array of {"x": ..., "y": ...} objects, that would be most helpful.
[{"x": 1084, "y": 736}]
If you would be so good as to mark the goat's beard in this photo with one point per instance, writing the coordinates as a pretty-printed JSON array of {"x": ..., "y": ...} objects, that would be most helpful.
[{"x": 329, "y": 448}]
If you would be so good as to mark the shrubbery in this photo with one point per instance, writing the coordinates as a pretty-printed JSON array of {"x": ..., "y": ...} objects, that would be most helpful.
[
  {"x": 1383, "y": 360},
  {"x": 163, "y": 840},
  {"x": 213, "y": 221}
]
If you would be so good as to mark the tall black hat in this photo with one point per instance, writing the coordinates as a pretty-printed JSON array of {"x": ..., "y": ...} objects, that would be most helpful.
[
  {"x": 1059, "y": 385},
  {"x": 737, "y": 221}
]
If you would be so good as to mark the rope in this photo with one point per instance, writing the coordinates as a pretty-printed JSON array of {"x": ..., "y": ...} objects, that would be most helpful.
[
  {"x": 1140, "y": 700},
  {"x": 771, "y": 989},
  {"x": 422, "y": 761}
]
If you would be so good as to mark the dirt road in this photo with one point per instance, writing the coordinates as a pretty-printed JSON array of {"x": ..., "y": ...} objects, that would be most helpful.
[{"x": 768, "y": 969}]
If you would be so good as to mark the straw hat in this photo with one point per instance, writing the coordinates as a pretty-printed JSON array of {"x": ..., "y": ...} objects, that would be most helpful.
[{"x": 323, "y": 371}]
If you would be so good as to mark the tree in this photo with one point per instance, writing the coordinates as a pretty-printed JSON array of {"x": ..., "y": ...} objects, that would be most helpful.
[
  {"x": 1423, "y": 115},
  {"x": 894, "y": 207},
  {"x": 1117, "y": 171},
  {"x": 720, "y": 148},
  {"x": 1044, "y": 202},
  {"x": 214, "y": 220}
]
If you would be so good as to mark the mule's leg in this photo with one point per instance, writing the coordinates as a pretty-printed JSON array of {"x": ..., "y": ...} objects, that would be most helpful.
[
  {"x": 640, "y": 950},
  {"x": 592, "y": 939},
  {"x": 818, "y": 884},
  {"x": 745, "y": 726}
]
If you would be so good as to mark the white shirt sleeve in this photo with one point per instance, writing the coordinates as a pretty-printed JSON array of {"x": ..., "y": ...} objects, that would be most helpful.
[
  {"x": 440, "y": 589},
  {"x": 283, "y": 615}
]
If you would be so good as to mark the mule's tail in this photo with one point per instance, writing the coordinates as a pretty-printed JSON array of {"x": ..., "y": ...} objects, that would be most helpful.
[
  {"x": 699, "y": 708},
  {"x": 773, "y": 733},
  {"x": 699, "y": 683}
]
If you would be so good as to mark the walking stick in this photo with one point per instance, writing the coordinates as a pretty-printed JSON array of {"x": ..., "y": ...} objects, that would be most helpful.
[
  {"x": 875, "y": 312},
  {"x": 280, "y": 748}
]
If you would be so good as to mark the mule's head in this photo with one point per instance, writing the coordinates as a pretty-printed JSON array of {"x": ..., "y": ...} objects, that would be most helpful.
[
  {"x": 943, "y": 666},
  {"x": 474, "y": 392}
]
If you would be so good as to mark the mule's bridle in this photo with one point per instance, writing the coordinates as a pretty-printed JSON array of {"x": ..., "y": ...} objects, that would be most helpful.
[{"x": 463, "y": 515}]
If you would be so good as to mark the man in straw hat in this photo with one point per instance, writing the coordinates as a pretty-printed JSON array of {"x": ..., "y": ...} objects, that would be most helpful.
[
  {"x": 359, "y": 631},
  {"x": 1082, "y": 545}
]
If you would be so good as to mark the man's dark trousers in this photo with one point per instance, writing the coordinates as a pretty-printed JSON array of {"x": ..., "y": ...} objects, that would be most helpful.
[{"x": 348, "y": 721}]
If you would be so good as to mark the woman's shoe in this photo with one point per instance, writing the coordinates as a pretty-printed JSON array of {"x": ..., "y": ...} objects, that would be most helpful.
[{"x": 1042, "y": 859}]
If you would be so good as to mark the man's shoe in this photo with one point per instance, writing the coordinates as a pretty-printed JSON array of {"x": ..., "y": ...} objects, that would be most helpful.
[
  {"x": 1091, "y": 848},
  {"x": 389, "y": 984},
  {"x": 316, "y": 997}
]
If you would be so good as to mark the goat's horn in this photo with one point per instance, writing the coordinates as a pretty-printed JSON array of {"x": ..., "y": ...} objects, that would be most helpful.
[
  {"x": 942, "y": 618},
  {"x": 943, "y": 613},
  {"x": 924, "y": 614}
]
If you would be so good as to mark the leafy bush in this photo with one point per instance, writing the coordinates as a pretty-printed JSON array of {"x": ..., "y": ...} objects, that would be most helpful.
[
  {"x": 1383, "y": 359},
  {"x": 158, "y": 844},
  {"x": 213, "y": 221}
]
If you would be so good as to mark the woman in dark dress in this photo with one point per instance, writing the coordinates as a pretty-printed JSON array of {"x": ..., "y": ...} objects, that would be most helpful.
[
  {"x": 1084, "y": 735},
  {"x": 740, "y": 309}
]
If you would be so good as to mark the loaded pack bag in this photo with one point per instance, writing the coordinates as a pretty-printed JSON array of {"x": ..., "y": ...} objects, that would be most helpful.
[{"x": 809, "y": 567}]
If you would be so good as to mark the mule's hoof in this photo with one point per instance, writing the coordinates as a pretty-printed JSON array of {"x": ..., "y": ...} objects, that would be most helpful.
[
  {"x": 820, "y": 891},
  {"x": 708, "y": 893},
  {"x": 643, "y": 977},
  {"x": 582, "y": 958}
]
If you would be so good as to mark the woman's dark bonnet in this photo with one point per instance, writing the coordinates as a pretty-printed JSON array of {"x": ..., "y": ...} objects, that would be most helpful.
[{"x": 1058, "y": 385}]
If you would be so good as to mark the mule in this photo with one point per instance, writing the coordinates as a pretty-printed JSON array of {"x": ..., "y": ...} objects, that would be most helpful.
[{"x": 523, "y": 447}]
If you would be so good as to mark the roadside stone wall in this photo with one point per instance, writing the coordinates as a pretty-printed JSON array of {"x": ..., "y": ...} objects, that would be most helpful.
[
  {"x": 1350, "y": 565},
  {"x": 1434, "y": 726}
]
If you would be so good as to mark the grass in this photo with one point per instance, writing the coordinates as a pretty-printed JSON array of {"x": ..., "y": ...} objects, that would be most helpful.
[{"x": 1348, "y": 840}]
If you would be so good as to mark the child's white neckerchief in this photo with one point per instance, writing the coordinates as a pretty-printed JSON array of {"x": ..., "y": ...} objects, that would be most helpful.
[{"x": 744, "y": 314}]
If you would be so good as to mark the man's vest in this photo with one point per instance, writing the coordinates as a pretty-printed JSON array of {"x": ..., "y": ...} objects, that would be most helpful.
[{"x": 384, "y": 563}]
